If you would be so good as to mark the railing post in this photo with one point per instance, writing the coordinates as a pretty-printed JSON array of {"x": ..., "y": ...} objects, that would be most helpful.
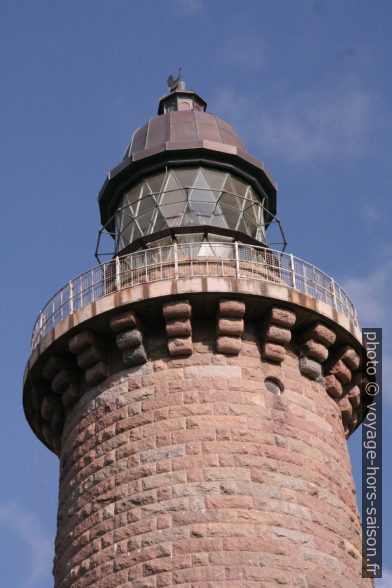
[
  {"x": 71, "y": 300},
  {"x": 62, "y": 304},
  {"x": 237, "y": 260},
  {"x": 118, "y": 273},
  {"x": 132, "y": 269},
  {"x": 334, "y": 301},
  {"x": 41, "y": 324},
  {"x": 175, "y": 253},
  {"x": 293, "y": 271}
]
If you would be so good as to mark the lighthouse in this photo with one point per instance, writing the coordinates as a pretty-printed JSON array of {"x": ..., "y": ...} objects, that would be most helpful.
[{"x": 198, "y": 385}]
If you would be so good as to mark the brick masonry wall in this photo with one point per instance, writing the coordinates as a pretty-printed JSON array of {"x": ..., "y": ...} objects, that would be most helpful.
[{"x": 187, "y": 471}]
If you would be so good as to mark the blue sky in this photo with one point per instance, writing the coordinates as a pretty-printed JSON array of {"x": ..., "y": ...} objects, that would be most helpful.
[{"x": 307, "y": 85}]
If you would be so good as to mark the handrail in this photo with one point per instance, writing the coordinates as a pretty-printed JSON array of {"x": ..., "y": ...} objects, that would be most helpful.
[{"x": 187, "y": 260}]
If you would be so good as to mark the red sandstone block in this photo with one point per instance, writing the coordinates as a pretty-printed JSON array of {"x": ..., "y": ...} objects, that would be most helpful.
[
  {"x": 197, "y": 545},
  {"x": 226, "y": 461},
  {"x": 124, "y": 321},
  {"x": 192, "y": 462},
  {"x": 199, "y": 577},
  {"x": 245, "y": 410},
  {"x": 162, "y": 440},
  {"x": 223, "y": 433},
  {"x": 161, "y": 428},
  {"x": 235, "y": 573},
  {"x": 231, "y": 308},
  {"x": 320, "y": 332},
  {"x": 212, "y": 474},
  {"x": 71, "y": 395},
  {"x": 189, "y": 435},
  {"x": 269, "y": 576},
  {"x": 236, "y": 558},
  {"x": 147, "y": 553},
  {"x": 310, "y": 367},
  {"x": 180, "y": 346},
  {"x": 81, "y": 341},
  {"x": 134, "y": 356},
  {"x": 161, "y": 414},
  {"x": 166, "y": 564},
  {"x": 217, "y": 502},
  {"x": 197, "y": 519},
  {"x": 134, "y": 573},
  {"x": 354, "y": 396},
  {"x": 62, "y": 380},
  {"x": 129, "y": 339},
  {"x": 164, "y": 521},
  {"x": 194, "y": 475},
  {"x": 162, "y": 400},
  {"x": 346, "y": 409},
  {"x": 164, "y": 579},
  {"x": 97, "y": 373},
  {"x": 277, "y": 334},
  {"x": 163, "y": 480},
  {"x": 190, "y": 409},
  {"x": 255, "y": 435},
  {"x": 316, "y": 350},
  {"x": 154, "y": 455},
  {"x": 110, "y": 418},
  {"x": 254, "y": 544},
  {"x": 351, "y": 358},
  {"x": 232, "y": 327},
  {"x": 134, "y": 382},
  {"x": 89, "y": 356},
  {"x": 228, "y": 345},
  {"x": 138, "y": 394},
  {"x": 273, "y": 352},
  {"x": 179, "y": 327},
  {"x": 164, "y": 493},
  {"x": 282, "y": 317},
  {"x": 53, "y": 364},
  {"x": 200, "y": 559},
  {"x": 177, "y": 310},
  {"x": 341, "y": 372}
]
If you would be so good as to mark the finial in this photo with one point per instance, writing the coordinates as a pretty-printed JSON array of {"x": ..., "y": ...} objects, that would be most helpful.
[{"x": 173, "y": 83}]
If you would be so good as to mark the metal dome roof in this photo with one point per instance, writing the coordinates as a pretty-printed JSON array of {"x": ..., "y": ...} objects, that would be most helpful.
[
  {"x": 184, "y": 134},
  {"x": 180, "y": 126}
]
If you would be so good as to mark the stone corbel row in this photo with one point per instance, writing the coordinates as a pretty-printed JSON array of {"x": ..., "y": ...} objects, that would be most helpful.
[
  {"x": 344, "y": 382},
  {"x": 350, "y": 404},
  {"x": 276, "y": 333},
  {"x": 129, "y": 339},
  {"x": 91, "y": 356},
  {"x": 314, "y": 350},
  {"x": 62, "y": 382},
  {"x": 177, "y": 317},
  {"x": 337, "y": 368},
  {"x": 230, "y": 326},
  {"x": 67, "y": 379},
  {"x": 67, "y": 376}
]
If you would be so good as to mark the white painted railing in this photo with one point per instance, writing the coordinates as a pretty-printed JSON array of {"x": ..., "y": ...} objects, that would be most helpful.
[{"x": 186, "y": 260}]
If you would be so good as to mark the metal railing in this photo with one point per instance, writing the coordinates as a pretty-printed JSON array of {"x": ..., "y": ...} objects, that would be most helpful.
[{"x": 188, "y": 260}]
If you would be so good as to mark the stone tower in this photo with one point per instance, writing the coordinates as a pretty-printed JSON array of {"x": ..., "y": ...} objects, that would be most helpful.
[{"x": 199, "y": 386}]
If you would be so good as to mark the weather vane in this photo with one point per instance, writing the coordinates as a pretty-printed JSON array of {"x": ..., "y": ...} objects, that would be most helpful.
[{"x": 173, "y": 83}]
